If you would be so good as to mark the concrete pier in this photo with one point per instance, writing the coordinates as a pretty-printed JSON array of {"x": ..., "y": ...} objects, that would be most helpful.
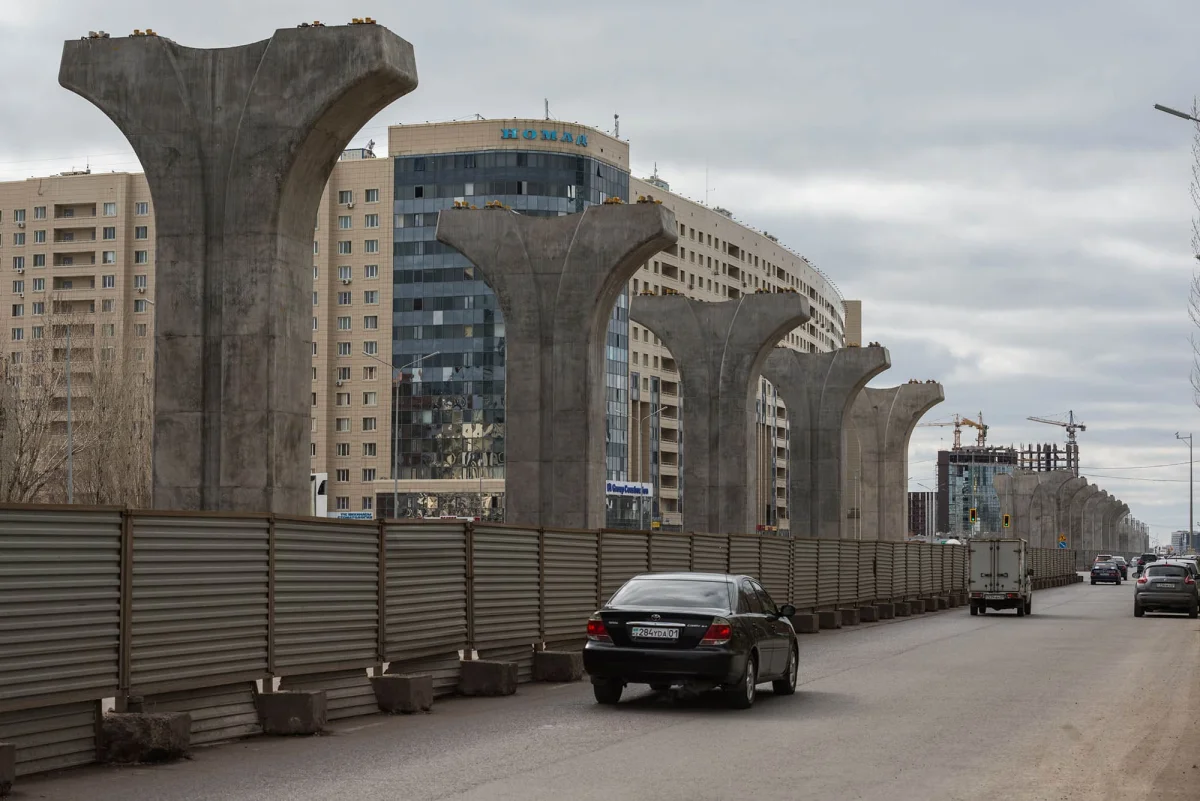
[
  {"x": 721, "y": 349},
  {"x": 1076, "y": 537},
  {"x": 819, "y": 390},
  {"x": 556, "y": 280},
  {"x": 237, "y": 144}
]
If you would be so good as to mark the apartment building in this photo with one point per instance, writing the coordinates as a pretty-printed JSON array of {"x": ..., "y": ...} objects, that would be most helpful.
[{"x": 408, "y": 370}]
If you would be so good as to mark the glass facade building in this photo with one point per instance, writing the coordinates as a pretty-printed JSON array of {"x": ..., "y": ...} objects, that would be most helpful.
[
  {"x": 965, "y": 483},
  {"x": 448, "y": 331}
]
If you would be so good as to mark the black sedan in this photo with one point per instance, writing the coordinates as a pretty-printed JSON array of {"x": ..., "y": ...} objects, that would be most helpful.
[
  {"x": 1106, "y": 571},
  {"x": 700, "y": 631}
]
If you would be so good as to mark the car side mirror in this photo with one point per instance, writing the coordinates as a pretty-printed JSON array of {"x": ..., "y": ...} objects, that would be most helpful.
[{"x": 787, "y": 610}]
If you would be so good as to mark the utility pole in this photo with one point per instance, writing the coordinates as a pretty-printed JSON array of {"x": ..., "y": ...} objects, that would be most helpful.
[{"x": 1191, "y": 543}]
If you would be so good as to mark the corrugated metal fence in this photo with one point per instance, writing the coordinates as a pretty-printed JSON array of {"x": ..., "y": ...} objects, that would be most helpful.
[{"x": 189, "y": 610}]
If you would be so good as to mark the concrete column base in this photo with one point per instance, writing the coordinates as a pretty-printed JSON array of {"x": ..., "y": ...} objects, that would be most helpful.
[
  {"x": 485, "y": 677},
  {"x": 129, "y": 737},
  {"x": 850, "y": 617},
  {"x": 292, "y": 712},
  {"x": 830, "y": 619},
  {"x": 403, "y": 693},
  {"x": 868, "y": 614},
  {"x": 8, "y": 767},
  {"x": 903, "y": 608},
  {"x": 557, "y": 665},
  {"x": 886, "y": 611},
  {"x": 917, "y": 606},
  {"x": 806, "y": 623}
]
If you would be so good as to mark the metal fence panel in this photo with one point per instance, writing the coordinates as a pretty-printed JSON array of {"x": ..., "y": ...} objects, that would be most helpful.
[
  {"x": 867, "y": 579},
  {"x": 926, "y": 551},
  {"x": 623, "y": 555},
  {"x": 912, "y": 580},
  {"x": 200, "y": 600},
  {"x": 804, "y": 574},
  {"x": 219, "y": 714},
  {"x": 326, "y": 596},
  {"x": 828, "y": 570},
  {"x": 51, "y": 737},
  {"x": 570, "y": 578},
  {"x": 60, "y": 603},
  {"x": 507, "y": 578},
  {"x": 776, "y": 575},
  {"x": 848, "y": 572},
  {"x": 710, "y": 553},
  {"x": 745, "y": 556},
  {"x": 939, "y": 569},
  {"x": 884, "y": 553},
  {"x": 670, "y": 552},
  {"x": 426, "y": 590}
]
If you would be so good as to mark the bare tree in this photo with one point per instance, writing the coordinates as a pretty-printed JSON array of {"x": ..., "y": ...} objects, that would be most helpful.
[{"x": 110, "y": 414}]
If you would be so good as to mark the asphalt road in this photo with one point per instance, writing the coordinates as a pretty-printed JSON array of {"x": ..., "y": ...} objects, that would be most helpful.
[{"x": 1079, "y": 701}]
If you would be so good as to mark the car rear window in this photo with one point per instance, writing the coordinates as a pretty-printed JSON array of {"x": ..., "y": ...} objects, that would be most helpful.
[
  {"x": 677, "y": 593},
  {"x": 1175, "y": 571}
]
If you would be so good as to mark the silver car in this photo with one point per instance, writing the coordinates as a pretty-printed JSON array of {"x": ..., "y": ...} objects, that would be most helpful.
[{"x": 1167, "y": 586}]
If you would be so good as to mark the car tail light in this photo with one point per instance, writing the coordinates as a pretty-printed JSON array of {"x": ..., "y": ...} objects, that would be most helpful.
[
  {"x": 1189, "y": 580},
  {"x": 719, "y": 632},
  {"x": 596, "y": 630},
  {"x": 1143, "y": 580}
]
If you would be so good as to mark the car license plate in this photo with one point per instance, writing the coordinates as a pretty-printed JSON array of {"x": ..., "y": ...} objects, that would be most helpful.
[
  {"x": 994, "y": 596},
  {"x": 653, "y": 633},
  {"x": 1166, "y": 586}
]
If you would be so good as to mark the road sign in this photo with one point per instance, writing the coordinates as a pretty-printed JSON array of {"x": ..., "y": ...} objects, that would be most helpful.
[
  {"x": 1062, "y": 544},
  {"x": 1062, "y": 539}
]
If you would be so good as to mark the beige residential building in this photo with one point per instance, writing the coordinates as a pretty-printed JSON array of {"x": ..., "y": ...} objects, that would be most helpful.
[{"x": 84, "y": 244}]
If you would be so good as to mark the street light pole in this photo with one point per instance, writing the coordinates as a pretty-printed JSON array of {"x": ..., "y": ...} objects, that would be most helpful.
[{"x": 1191, "y": 492}]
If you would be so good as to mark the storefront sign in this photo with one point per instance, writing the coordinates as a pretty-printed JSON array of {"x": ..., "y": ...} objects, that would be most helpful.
[
  {"x": 627, "y": 488},
  {"x": 565, "y": 137}
]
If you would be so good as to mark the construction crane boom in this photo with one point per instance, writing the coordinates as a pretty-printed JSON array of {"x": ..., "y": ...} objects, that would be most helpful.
[{"x": 958, "y": 422}]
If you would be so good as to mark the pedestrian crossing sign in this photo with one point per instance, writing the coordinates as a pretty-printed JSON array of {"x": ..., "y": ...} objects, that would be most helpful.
[{"x": 1062, "y": 538}]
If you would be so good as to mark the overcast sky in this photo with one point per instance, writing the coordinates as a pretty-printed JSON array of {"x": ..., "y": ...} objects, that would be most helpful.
[{"x": 992, "y": 183}]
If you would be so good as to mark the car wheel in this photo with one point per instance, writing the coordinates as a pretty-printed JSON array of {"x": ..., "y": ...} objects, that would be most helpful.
[
  {"x": 1020, "y": 609},
  {"x": 1118, "y": 582},
  {"x": 1029, "y": 607},
  {"x": 974, "y": 609},
  {"x": 1138, "y": 611},
  {"x": 1194, "y": 611},
  {"x": 1093, "y": 582},
  {"x": 787, "y": 685},
  {"x": 741, "y": 695},
  {"x": 608, "y": 692}
]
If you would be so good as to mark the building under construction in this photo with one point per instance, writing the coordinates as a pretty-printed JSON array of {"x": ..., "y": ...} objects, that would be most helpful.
[{"x": 964, "y": 484}]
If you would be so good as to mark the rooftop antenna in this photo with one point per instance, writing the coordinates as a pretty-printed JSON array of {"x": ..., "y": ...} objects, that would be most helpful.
[
  {"x": 371, "y": 145},
  {"x": 547, "y": 108},
  {"x": 616, "y": 126}
]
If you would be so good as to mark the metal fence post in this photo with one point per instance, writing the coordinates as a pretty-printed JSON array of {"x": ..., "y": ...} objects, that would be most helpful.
[
  {"x": 599, "y": 568},
  {"x": 541, "y": 587},
  {"x": 125, "y": 636},
  {"x": 381, "y": 632},
  {"x": 271, "y": 596},
  {"x": 469, "y": 530}
]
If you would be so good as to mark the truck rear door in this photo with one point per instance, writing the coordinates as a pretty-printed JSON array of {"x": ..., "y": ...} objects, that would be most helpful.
[{"x": 1008, "y": 567}]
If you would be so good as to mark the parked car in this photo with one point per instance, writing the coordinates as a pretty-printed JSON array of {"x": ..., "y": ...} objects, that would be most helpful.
[
  {"x": 1122, "y": 565},
  {"x": 702, "y": 631},
  {"x": 1168, "y": 586},
  {"x": 1106, "y": 571}
]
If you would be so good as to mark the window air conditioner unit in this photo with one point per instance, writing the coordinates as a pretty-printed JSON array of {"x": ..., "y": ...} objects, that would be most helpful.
[
  {"x": 345, "y": 282},
  {"x": 20, "y": 295},
  {"x": 350, "y": 205},
  {"x": 141, "y": 290},
  {"x": 20, "y": 270},
  {"x": 20, "y": 225},
  {"x": 337, "y": 383}
]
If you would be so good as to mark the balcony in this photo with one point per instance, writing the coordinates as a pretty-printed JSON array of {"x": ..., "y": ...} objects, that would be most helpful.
[
  {"x": 669, "y": 366},
  {"x": 74, "y": 211},
  {"x": 75, "y": 234},
  {"x": 79, "y": 259}
]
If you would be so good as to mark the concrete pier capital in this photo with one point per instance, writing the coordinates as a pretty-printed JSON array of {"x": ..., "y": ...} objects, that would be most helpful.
[
  {"x": 819, "y": 390},
  {"x": 721, "y": 348},
  {"x": 556, "y": 280},
  {"x": 883, "y": 421},
  {"x": 237, "y": 144}
]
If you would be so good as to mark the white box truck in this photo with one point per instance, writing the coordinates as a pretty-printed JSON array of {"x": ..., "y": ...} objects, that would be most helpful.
[{"x": 1000, "y": 576}]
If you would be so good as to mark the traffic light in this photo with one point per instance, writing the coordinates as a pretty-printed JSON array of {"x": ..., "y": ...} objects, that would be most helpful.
[
  {"x": 1007, "y": 520},
  {"x": 974, "y": 516}
]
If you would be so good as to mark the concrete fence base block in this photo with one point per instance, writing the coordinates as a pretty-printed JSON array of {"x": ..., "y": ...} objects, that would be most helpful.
[
  {"x": 830, "y": 619},
  {"x": 850, "y": 617},
  {"x": 943, "y": 602},
  {"x": 485, "y": 677},
  {"x": 137, "y": 737},
  {"x": 868, "y": 614},
  {"x": 557, "y": 665},
  {"x": 952, "y": 601},
  {"x": 886, "y": 611},
  {"x": 903, "y": 608},
  {"x": 8, "y": 767},
  {"x": 292, "y": 712},
  {"x": 403, "y": 693},
  {"x": 917, "y": 606},
  {"x": 806, "y": 623}
]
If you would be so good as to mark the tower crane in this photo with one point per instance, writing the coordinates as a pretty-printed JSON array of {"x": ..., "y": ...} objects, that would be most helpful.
[
  {"x": 1072, "y": 446},
  {"x": 958, "y": 423}
]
